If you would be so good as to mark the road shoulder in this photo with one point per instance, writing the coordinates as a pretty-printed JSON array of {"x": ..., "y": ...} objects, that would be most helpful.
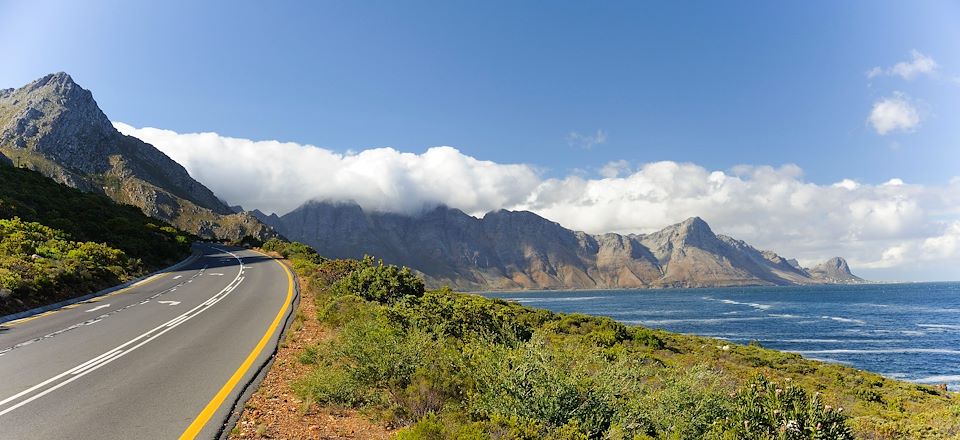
[{"x": 275, "y": 411}]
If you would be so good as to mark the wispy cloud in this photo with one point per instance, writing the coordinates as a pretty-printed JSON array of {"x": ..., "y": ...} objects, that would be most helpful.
[
  {"x": 919, "y": 64},
  {"x": 586, "y": 141},
  {"x": 890, "y": 224},
  {"x": 895, "y": 113}
]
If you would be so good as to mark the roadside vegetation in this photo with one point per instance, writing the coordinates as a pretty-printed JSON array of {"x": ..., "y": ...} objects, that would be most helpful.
[
  {"x": 57, "y": 242},
  {"x": 444, "y": 365}
]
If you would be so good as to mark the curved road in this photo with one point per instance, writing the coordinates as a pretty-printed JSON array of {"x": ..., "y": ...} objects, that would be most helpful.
[{"x": 164, "y": 359}]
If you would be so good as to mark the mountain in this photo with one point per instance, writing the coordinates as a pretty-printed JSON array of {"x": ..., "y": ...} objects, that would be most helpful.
[
  {"x": 54, "y": 126},
  {"x": 521, "y": 250},
  {"x": 836, "y": 270}
]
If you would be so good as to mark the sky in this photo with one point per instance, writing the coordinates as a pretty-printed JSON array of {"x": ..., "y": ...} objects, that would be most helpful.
[{"x": 814, "y": 128}]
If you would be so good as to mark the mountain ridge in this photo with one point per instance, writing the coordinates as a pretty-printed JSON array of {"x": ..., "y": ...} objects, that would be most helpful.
[
  {"x": 54, "y": 126},
  {"x": 506, "y": 250}
]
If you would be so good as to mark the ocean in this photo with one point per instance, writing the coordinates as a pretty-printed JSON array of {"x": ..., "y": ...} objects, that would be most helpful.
[{"x": 902, "y": 331}]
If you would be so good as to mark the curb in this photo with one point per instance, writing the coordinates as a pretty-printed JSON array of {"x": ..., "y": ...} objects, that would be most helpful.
[{"x": 27, "y": 313}]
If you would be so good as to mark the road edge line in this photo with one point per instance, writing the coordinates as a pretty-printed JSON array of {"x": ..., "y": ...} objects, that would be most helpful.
[
  {"x": 254, "y": 384},
  {"x": 198, "y": 423}
]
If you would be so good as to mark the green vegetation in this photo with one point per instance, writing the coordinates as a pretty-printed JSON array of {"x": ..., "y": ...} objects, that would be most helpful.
[
  {"x": 57, "y": 242},
  {"x": 445, "y": 365}
]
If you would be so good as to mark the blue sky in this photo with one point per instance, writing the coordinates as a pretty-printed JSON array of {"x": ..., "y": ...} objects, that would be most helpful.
[
  {"x": 715, "y": 83},
  {"x": 815, "y": 128}
]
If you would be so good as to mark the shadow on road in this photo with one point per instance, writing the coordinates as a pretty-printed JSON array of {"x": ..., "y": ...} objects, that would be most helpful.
[{"x": 224, "y": 260}]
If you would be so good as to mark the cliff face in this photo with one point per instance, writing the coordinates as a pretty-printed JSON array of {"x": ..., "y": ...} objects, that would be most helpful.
[
  {"x": 521, "y": 250},
  {"x": 54, "y": 126}
]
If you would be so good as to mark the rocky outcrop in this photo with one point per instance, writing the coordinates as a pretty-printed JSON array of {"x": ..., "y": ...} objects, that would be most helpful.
[
  {"x": 835, "y": 270},
  {"x": 54, "y": 126},
  {"x": 521, "y": 250}
]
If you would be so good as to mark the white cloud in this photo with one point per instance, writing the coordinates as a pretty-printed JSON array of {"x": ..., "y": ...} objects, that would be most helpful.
[
  {"x": 895, "y": 113},
  {"x": 615, "y": 168},
  {"x": 919, "y": 64},
  {"x": 882, "y": 225},
  {"x": 279, "y": 176},
  {"x": 847, "y": 184},
  {"x": 946, "y": 245},
  {"x": 586, "y": 141}
]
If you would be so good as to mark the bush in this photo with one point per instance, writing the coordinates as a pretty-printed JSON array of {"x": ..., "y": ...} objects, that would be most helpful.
[
  {"x": 681, "y": 404},
  {"x": 340, "y": 310},
  {"x": 380, "y": 283},
  {"x": 40, "y": 265},
  {"x": 331, "y": 385},
  {"x": 539, "y": 382},
  {"x": 292, "y": 250},
  {"x": 765, "y": 410},
  {"x": 459, "y": 316}
]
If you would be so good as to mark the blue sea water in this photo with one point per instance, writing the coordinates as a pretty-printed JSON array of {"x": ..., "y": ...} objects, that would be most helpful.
[{"x": 903, "y": 331}]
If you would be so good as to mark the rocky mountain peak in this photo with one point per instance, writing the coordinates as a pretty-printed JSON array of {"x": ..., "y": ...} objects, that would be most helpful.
[
  {"x": 835, "y": 265},
  {"x": 54, "y": 126},
  {"x": 692, "y": 232},
  {"x": 835, "y": 269},
  {"x": 695, "y": 227},
  {"x": 57, "y": 118}
]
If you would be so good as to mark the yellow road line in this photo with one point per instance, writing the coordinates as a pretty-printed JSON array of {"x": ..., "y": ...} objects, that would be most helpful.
[
  {"x": 198, "y": 423},
  {"x": 91, "y": 300}
]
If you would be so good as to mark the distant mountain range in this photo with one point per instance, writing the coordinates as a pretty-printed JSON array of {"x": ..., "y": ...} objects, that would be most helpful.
[
  {"x": 521, "y": 250},
  {"x": 54, "y": 126}
]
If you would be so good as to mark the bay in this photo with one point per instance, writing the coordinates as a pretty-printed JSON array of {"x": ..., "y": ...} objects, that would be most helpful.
[{"x": 903, "y": 331}]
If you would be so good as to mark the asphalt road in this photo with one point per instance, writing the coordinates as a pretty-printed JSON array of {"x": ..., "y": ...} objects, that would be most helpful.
[{"x": 164, "y": 359}]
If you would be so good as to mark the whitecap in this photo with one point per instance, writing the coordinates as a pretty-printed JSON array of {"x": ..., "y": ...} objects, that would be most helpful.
[
  {"x": 844, "y": 320},
  {"x": 754, "y": 305},
  {"x": 944, "y": 378},
  {"x": 940, "y": 326},
  {"x": 554, "y": 299},
  {"x": 880, "y": 351},
  {"x": 693, "y": 320}
]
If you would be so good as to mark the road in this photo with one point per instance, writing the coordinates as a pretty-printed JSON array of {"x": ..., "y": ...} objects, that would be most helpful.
[{"x": 164, "y": 359}]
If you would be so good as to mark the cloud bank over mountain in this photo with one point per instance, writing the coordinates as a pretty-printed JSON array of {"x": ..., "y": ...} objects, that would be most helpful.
[{"x": 879, "y": 226}]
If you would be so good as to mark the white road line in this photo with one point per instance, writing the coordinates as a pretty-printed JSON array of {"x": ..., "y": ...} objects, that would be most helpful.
[
  {"x": 98, "y": 308},
  {"x": 85, "y": 364},
  {"x": 93, "y": 364},
  {"x": 178, "y": 277}
]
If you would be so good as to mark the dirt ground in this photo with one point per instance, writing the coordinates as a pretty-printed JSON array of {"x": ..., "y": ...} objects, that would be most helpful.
[{"x": 275, "y": 412}]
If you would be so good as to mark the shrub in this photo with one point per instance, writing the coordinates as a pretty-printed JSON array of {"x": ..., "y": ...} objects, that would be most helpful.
[
  {"x": 765, "y": 410},
  {"x": 340, "y": 310},
  {"x": 538, "y": 382},
  {"x": 379, "y": 282},
  {"x": 676, "y": 404},
  {"x": 331, "y": 385},
  {"x": 39, "y": 265},
  {"x": 458, "y": 315}
]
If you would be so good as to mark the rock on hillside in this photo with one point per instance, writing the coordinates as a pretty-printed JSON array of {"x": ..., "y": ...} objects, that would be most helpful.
[{"x": 54, "y": 126}]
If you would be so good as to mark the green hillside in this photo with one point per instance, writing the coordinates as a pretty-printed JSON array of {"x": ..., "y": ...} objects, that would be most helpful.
[
  {"x": 57, "y": 242},
  {"x": 446, "y": 365}
]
